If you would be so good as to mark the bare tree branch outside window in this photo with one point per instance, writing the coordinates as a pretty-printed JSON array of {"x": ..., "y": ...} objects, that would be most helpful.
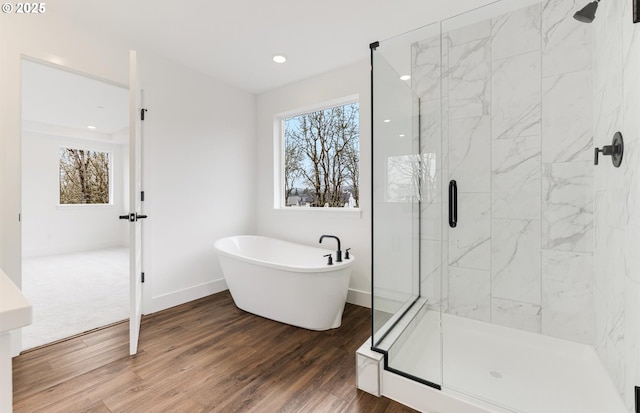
[
  {"x": 84, "y": 177},
  {"x": 321, "y": 158},
  {"x": 411, "y": 178}
]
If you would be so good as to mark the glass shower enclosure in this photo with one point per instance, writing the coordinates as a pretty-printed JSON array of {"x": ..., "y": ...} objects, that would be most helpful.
[{"x": 483, "y": 212}]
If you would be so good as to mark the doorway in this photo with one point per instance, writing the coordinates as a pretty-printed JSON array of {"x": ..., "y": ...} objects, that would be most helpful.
[{"x": 75, "y": 182}]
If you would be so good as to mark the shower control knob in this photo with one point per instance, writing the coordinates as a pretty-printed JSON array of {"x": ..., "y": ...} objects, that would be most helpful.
[
  {"x": 606, "y": 150},
  {"x": 615, "y": 150}
]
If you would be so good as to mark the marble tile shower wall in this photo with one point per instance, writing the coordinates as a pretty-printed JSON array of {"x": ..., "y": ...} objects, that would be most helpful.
[
  {"x": 426, "y": 69},
  {"x": 515, "y": 104},
  {"x": 617, "y": 195}
]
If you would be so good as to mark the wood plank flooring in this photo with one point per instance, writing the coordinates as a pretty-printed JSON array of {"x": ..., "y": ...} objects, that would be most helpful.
[{"x": 204, "y": 356}]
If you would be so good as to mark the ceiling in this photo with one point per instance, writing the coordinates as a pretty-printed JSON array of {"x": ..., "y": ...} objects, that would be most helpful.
[
  {"x": 66, "y": 100},
  {"x": 234, "y": 41}
]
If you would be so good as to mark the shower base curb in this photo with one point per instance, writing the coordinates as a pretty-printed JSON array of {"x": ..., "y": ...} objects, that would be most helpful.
[{"x": 372, "y": 378}]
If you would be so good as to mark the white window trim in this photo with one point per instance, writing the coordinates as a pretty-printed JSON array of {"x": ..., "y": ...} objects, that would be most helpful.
[
  {"x": 278, "y": 160},
  {"x": 111, "y": 162},
  {"x": 334, "y": 212}
]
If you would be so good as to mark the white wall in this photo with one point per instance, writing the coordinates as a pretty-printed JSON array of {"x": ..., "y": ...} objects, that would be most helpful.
[
  {"x": 49, "y": 228},
  {"x": 306, "y": 225},
  {"x": 199, "y": 178},
  {"x": 199, "y": 154}
]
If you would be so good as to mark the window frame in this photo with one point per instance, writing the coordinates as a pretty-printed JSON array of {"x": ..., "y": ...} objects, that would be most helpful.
[
  {"x": 279, "y": 155},
  {"x": 111, "y": 163}
]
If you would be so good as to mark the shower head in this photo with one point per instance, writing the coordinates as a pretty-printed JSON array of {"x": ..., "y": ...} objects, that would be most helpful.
[{"x": 587, "y": 13}]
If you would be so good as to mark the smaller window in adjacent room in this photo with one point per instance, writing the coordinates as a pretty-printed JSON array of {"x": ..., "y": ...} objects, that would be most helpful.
[
  {"x": 84, "y": 177},
  {"x": 321, "y": 159}
]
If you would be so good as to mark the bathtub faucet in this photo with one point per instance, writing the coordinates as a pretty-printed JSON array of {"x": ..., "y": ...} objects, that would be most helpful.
[{"x": 339, "y": 252}]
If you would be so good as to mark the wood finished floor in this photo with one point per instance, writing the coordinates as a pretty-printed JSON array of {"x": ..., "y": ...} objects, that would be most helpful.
[{"x": 204, "y": 356}]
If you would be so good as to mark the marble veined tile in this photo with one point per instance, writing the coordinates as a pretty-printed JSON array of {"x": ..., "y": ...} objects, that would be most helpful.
[
  {"x": 567, "y": 206},
  {"x": 367, "y": 374},
  {"x": 615, "y": 362},
  {"x": 615, "y": 296},
  {"x": 632, "y": 336},
  {"x": 566, "y": 45},
  {"x": 466, "y": 34},
  {"x": 608, "y": 49},
  {"x": 426, "y": 67},
  {"x": 470, "y": 153},
  {"x": 515, "y": 260},
  {"x": 516, "y": 178},
  {"x": 632, "y": 190},
  {"x": 431, "y": 221},
  {"x": 469, "y": 242},
  {"x": 468, "y": 74},
  {"x": 610, "y": 266},
  {"x": 630, "y": 41},
  {"x": 614, "y": 288},
  {"x": 606, "y": 178},
  {"x": 567, "y": 117},
  {"x": 469, "y": 293},
  {"x": 567, "y": 296},
  {"x": 631, "y": 108},
  {"x": 608, "y": 118},
  {"x": 516, "y": 32},
  {"x": 516, "y": 96},
  {"x": 431, "y": 128},
  {"x": 523, "y": 316},
  {"x": 431, "y": 266}
]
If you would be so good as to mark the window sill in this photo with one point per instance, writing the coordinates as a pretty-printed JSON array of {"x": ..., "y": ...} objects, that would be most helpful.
[
  {"x": 72, "y": 206},
  {"x": 327, "y": 212}
]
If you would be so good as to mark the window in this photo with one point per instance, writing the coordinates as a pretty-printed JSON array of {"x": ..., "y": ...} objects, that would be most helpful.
[
  {"x": 84, "y": 177},
  {"x": 321, "y": 158}
]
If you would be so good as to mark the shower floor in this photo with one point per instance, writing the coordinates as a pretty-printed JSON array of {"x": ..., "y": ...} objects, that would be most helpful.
[{"x": 507, "y": 369}]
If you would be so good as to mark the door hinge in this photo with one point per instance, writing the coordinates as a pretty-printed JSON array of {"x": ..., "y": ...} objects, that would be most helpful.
[
  {"x": 142, "y": 277},
  {"x": 142, "y": 111},
  {"x": 141, "y": 195}
]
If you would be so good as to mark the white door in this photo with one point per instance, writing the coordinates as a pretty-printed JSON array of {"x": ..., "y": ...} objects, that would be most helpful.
[{"x": 135, "y": 204}]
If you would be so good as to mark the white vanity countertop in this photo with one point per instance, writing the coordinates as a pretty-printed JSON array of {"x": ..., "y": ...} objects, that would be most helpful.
[{"x": 15, "y": 310}]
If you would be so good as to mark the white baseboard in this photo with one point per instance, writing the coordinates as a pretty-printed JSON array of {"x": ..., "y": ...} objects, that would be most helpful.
[
  {"x": 69, "y": 249},
  {"x": 357, "y": 297},
  {"x": 16, "y": 342},
  {"x": 162, "y": 302}
]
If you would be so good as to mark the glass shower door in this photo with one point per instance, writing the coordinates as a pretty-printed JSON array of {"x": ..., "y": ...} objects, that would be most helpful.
[{"x": 407, "y": 253}]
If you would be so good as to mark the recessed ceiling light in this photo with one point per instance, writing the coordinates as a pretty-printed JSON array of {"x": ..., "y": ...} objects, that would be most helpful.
[
  {"x": 91, "y": 127},
  {"x": 402, "y": 135},
  {"x": 387, "y": 120},
  {"x": 405, "y": 77},
  {"x": 279, "y": 59}
]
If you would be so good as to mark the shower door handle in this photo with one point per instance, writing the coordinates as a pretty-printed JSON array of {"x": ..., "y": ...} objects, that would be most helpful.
[{"x": 453, "y": 204}]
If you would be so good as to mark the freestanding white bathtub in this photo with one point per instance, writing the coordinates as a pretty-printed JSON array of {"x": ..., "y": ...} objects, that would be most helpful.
[{"x": 286, "y": 282}]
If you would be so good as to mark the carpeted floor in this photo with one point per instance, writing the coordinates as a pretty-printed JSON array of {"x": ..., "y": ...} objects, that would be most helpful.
[{"x": 74, "y": 293}]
